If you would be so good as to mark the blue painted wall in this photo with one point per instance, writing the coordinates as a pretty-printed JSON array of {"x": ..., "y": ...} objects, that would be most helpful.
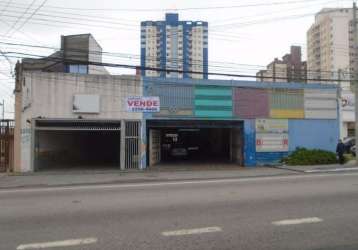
[
  {"x": 269, "y": 158},
  {"x": 249, "y": 143},
  {"x": 313, "y": 134}
]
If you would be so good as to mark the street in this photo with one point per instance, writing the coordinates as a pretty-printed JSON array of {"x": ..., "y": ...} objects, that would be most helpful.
[{"x": 310, "y": 211}]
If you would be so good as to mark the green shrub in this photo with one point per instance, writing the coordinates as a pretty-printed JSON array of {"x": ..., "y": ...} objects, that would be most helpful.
[{"x": 303, "y": 156}]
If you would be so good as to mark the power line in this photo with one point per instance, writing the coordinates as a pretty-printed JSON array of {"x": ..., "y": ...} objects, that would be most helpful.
[
  {"x": 131, "y": 56},
  {"x": 19, "y": 18},
  {"x": 6, "y": 5},
  {"x": 93, "y": 19},
  {"x": 183, "y": 9},
  {"x": 110, "y": 27},
  {"x": 21, "y": 6},
  {"x": 58, "y": 59},
  {"x": 28, "y": 18}
]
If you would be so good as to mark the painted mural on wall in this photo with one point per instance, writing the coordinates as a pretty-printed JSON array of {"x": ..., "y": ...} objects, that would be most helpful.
[{"x": 227, "y": 102}]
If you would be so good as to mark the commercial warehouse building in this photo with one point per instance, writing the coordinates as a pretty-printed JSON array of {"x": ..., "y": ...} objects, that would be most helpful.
[
  {"x": 247, "y": 123},
  {"x": 72, "y": 114},
  {"x": 66, "y": 120}
]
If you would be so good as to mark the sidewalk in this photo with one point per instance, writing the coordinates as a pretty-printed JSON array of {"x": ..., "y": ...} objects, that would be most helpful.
[
  {"x": 349, "y": 166},
  {"x": 67, "y": 178},
  {"x": 97, "y": 177}
]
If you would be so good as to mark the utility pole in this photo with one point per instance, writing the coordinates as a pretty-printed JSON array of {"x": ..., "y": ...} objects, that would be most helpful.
[
  {"x": 355, "y": 75},
  {"x": 3, "y": 109}
]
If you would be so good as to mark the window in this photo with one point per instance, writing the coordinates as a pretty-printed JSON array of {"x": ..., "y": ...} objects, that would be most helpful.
[{"x": 77, "y": 68}]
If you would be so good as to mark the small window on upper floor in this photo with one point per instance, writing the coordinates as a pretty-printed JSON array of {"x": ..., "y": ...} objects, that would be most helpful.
[{"x": 77, "y": 68}]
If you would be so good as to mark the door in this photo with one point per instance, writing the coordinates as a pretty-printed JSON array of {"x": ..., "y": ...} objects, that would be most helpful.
[
  {"x": 236, "y": 146},
  {"x": 154, "y": 147}
]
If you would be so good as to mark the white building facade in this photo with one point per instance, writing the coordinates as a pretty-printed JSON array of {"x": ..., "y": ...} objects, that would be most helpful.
[
  {"x": 76, "y": 120},
  {"x": 330, "y": 55}
]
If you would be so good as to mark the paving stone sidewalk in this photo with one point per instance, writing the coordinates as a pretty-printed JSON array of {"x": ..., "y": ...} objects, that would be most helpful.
[{"x": 96, "y": 177}]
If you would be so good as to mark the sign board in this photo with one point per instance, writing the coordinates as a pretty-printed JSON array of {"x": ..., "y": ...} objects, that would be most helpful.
[
  {"x": 85, "y": 103},
  {"x": 148, "y": 104},
  {"x": 272, "y": 126},
  {"x": 271, "y": 135},
  {"x": 271, "y": 142},
  {"x": 348, "y": 101},
  {"x": 348, "y": 106}
]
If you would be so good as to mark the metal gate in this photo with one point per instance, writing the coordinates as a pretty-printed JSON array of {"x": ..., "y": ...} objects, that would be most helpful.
[
  {"x": 154, "y": 147},
  {"x": 132, "y": 143},
  {"x": 6, "y": 145}
]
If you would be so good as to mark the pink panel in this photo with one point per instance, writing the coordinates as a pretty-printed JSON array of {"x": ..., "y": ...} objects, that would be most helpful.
[{"x": 251, "y": 103}]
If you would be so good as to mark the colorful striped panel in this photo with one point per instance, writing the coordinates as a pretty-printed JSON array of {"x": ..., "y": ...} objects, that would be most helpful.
[
  {"x": 287, "y": 113},
  {"x": 251, "y": 103},
  {"x": 213, "y": 101},
  {"x": 286, "y": 103}
]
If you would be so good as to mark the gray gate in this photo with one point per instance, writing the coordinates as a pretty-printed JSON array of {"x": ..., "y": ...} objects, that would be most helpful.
[
  {"x": 132, "y": 131},
  {"x": 6, "y": 145}
]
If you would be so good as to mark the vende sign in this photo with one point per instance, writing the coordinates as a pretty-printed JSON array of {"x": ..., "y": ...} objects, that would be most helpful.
[{"x": 143, "y": 104}]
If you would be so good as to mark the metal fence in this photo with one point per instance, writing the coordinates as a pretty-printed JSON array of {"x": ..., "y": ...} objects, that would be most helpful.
[
  {"x": 132, "y": 143},
  {"x": 6, "y": 145}
]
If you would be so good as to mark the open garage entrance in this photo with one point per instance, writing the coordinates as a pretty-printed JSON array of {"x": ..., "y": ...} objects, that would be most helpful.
[
  {"x": 194, "y": 142},
  {"x": 75, "y": 145}
]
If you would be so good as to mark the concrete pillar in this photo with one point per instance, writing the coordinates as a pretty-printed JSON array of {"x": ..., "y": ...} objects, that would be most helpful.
[
  {"x": 143, "y": 145},
  {"x": 123, "y": 145}
]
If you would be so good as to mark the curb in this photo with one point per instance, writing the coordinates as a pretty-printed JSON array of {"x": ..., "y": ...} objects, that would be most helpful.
[
  {"x": 24, "y": 187},
  {"x": 331, "y": 170},
  {"x": 311, "y": 171}
]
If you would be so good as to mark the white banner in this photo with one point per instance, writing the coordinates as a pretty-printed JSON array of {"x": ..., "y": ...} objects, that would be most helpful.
[
  {"x": 271, "y": 142},
  {"x": 146, "y": 104},
  {"x": 272, "y": 126}
]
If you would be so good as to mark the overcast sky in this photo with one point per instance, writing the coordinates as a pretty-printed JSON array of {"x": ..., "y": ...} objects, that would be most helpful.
[{"x": 244, "y": 35}]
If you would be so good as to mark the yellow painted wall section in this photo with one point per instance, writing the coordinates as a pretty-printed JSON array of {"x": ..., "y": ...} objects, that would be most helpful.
[{"x": 287, "y": 113}]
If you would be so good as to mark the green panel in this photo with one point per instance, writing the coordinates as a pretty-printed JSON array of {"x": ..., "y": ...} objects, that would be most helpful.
[
  {"x": 213, "y": 102},
  {"x": 213, "y": 113},
  {"x": 286, "y": 99},
  {"x": 213, "y": 91},
  {"x": 208, "y": 97}
]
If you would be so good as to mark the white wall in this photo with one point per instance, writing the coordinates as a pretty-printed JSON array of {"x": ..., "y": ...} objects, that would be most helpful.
[{"x": 50, "y": 95}]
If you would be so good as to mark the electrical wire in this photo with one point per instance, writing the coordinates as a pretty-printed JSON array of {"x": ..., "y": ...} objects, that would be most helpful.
[
  {"x": 212, "y": 8},
  {"x": 20, "y": 17},
  {"x": 29, "y": 18},
  {"x": 127, "y": 66}
]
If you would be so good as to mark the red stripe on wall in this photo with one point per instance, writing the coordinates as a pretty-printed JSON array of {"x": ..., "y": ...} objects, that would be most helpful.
[{"x": 251, "y": 103}]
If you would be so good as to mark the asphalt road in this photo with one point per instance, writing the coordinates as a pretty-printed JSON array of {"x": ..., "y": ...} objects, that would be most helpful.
[{"x": 288, "y": 212}]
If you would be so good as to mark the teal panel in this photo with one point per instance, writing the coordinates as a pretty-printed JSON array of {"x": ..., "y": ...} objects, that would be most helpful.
[
  {"x": 212, "y": 91},
  {"x": 213, "y": 101},
  {"x": 213, "y": 113}
]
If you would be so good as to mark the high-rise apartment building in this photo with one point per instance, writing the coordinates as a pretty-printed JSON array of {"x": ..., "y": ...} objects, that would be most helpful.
[
  {"x": 290, "y": 69},
  {"x": 330, "y": 55},
  {"x": 174, "y": 45},
  {"x": 329, "y": 44}
]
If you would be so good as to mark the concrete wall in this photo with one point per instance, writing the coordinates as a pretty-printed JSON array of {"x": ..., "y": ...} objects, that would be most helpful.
[
  {"x": 17, "y": 133},
  {"x": 313, "y": 134},
  {"x": 50, "y": 95},
  {"x": 95, "y": 55}
]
